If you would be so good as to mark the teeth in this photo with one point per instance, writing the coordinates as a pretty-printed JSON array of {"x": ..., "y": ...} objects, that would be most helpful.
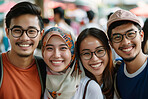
[
  {"x": 96, "y": 65},
  {"x": 128, "y": 49},
  {"x": 56, "y": 62},
  {"x": 25, "y": 45}
]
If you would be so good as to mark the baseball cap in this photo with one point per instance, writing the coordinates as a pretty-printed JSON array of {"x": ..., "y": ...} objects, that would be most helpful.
[{"x": 121, "y": 15}]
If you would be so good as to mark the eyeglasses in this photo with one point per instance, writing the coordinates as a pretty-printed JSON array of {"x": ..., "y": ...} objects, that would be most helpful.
[
  {"x": 99, "y": 52},
  {"x": 18, "y": 32},
  {"x": 117, "y": 37}
]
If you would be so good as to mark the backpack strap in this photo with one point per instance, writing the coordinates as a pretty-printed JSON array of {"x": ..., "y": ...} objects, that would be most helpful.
[
  {"x": 41, "y": 66},
  {"x": 1, "y": 70},
  {"x": 86, "y": 88}
]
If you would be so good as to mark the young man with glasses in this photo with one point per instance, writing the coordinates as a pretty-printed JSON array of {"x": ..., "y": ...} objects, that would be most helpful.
[
  {"x": 125, "y": 35},
  {"x": 22, "y": 76}
]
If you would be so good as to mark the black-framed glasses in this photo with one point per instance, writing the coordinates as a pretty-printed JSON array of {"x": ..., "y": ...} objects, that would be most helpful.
[
  {"x": 18, "y": 32},
  {"x": 117, "y": 37},
  {"x": 99, "y": 52}
]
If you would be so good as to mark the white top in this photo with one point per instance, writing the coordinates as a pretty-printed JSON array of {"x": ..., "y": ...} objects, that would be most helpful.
[{"x": 93, "y": 90}]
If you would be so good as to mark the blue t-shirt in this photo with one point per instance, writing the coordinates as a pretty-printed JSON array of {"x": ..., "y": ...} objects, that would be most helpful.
[{"x": 133, "y": 86}]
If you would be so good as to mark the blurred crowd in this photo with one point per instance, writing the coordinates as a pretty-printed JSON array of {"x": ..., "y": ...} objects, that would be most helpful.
[{"x": 75, "y": 26}]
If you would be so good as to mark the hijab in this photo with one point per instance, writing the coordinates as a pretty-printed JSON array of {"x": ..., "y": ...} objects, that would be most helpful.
[{"x": 62, "y": 85}]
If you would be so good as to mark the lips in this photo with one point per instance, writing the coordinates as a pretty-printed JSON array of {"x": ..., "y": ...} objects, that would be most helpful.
[
  {"x": 56, "y": 62},
  {"x": 127, "y": 48},
  {"x": 96, "y": 65},
  {"x": 24, "y": 44}
]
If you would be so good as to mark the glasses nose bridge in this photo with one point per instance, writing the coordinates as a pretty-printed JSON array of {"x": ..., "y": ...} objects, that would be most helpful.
[
  {"x": 94, "y": 54},
  {"x": 24, "y": 31},
  {"x": 124, "y": 35}
]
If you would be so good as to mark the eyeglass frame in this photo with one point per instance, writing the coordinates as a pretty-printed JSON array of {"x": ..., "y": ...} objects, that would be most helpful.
[
  {"x": 23, "y": 31},
  {"x": 122, "y": 35},
  {"x": 95, "y": 53}
]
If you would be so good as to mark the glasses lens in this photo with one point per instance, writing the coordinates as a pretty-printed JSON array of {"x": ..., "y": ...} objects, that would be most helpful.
[
  {"x": 32, "y": 32},
  {"x": 131, "y": 35},
  {"x": 100, "y": 52},
  {"x": 117, "y": 37},
  {"x": 16, "y": 32},
  {"x": 86, "y": 55}
]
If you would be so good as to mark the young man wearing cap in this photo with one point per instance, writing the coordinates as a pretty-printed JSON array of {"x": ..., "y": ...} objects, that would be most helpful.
[
  {"x": 21, "y": 74},
  {"x": 125, "y": 35}
]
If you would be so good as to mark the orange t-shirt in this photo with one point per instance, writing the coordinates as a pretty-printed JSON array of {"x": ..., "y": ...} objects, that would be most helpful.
[{"x": 19, "y": 83}]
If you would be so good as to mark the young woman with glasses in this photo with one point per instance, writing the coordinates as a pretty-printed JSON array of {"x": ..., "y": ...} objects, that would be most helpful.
[{"x": 94, "y": 53}]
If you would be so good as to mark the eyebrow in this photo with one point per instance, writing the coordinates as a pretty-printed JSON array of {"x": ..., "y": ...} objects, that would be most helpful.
[
  {"x": 60, "y": 45},
  {"x": 99, "y": 47},
  {"x": 18, "y": 26},
  {"x": 86, "y": 50},
  {"x": 95, "y": 48},
  {"x": 127, "y": 31}
]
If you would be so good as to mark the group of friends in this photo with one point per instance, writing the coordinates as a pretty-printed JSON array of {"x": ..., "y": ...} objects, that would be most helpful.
[{"x": 72, "y": 68}]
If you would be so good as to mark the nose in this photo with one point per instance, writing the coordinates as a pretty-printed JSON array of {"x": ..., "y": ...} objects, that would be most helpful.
[
  {"x": 24, "y": 36},
  {"x": 94, "y": 57},
  {"x": 56, "y": 53},
  {"x": 125, "y": 40}
]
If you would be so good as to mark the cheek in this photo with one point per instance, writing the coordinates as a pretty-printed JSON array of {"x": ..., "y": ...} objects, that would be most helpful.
[
  {"x": 67, "y": 56},
  {"x": 46, "y": 55},
  {"x": 84, "y": 62}
]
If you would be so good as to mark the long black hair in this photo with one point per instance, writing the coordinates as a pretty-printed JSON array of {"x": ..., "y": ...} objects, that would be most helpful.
[{"x": 107, "y": 77}]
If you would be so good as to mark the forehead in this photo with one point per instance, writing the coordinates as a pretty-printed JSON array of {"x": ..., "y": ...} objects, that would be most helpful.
[
  {"x": 57, "y": 40},
  {"x": 91, "y": 43},
  {"x": 124, "y": 28},
  {"x": 25, "y": 21}
]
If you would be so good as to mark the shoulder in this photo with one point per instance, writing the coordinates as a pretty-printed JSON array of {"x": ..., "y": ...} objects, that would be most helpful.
[{"x": 93, "y": 89}]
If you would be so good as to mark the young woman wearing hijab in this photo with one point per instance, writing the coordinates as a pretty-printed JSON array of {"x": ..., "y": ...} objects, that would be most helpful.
[
  {"x": 63, "y": 74},
  {"x": 94, "y": 53}
]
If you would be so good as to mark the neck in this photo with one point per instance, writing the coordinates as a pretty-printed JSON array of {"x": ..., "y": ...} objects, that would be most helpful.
[
  {"x": 134, "y": 65},
  {"x": 99, "y": 79},
  {"x": 18, "y": 61}
]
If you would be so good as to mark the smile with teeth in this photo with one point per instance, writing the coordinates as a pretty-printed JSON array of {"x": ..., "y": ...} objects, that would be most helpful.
[
  {"x": 57, "y": 62},
  {"x": 127, "y": 49},
  {"x": 24, "y": 45},
  {"x": 96, "y": 65}
]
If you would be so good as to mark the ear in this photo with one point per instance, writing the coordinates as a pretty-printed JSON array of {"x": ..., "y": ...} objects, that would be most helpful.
[
  {"x": 41, "y": 34},
  {"x": 7, "y": 32},
  {"x": 142, "y": 35}
]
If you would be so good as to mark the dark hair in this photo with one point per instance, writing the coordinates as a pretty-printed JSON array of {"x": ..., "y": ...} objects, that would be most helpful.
[
  {"x": 60, "y": 11},
  {"x": 118, "y": 23},
  {"x": 107, "y": 76},
  {"x": 68, "y": 21},
  {"x": 90, "y": 14},
  {"x": 45, "y": 20},
  {"x": 145, "y": 29},
  {"x": 21, "y": 9}
]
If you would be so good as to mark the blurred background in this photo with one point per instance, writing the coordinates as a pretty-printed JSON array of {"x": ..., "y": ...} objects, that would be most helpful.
[{"x": 75, "y": 13}]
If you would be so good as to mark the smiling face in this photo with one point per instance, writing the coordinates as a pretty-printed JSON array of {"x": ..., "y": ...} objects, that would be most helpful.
[
  {"x": 94, "y": 65},
  {"x": 57, "y": 54},
  {"x": 128, "y": 49},
  {"x": 24, "y": 46}
]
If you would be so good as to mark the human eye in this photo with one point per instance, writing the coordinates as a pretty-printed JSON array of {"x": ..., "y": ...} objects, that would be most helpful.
[
  {"x": 49, "y": 48},
  {"x": 100, "y": 51},
  {"x": 32, "y": 31},
  {"x": 63, "y": 48},
  {"x": 17, "y": 30},
  {"x": 86, "y": 53},
  {"x": 117, "y": 36},
  {"x": 131, "y": 34}
]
